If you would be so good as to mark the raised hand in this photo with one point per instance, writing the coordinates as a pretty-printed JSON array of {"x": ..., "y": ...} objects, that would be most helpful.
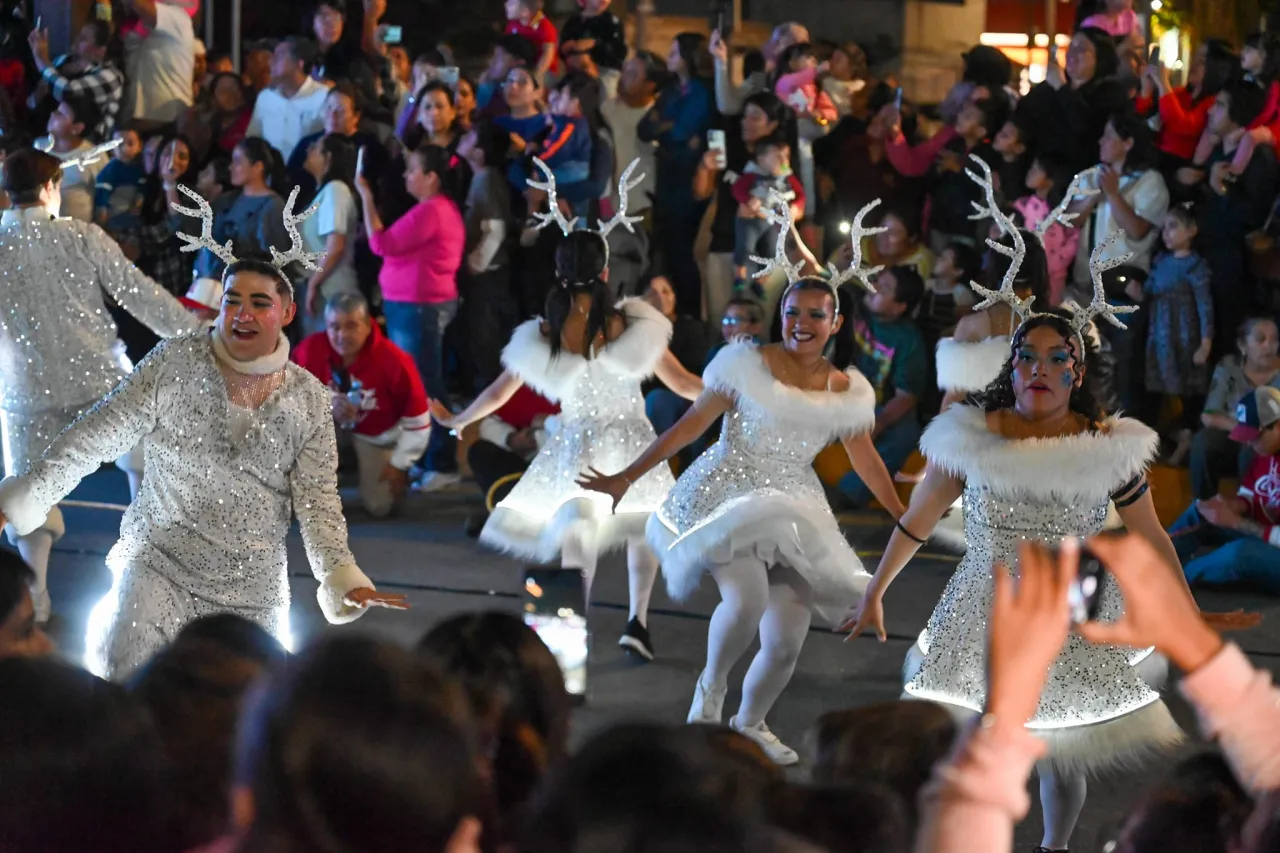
[{"x": 613, "y": 485}]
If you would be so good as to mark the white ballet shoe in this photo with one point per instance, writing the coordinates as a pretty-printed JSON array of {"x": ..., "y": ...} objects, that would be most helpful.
[
  {"x": 708, "y": 703},
  {"x": 779, "y": 753}
]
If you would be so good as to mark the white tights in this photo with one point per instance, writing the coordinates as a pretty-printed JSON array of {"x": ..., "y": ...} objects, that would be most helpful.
[
  {"x": 1061, "y": 799},
  {"x": 579, "y": 551},
  {"x": 753, "y": 598}
]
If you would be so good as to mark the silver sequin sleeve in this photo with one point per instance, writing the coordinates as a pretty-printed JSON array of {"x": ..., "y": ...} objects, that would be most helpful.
[
  {"x": 150, "y": 303},
  {"x": 313, "y": 483}
]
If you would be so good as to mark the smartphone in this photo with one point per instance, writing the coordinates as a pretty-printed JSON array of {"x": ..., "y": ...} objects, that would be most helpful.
[
  {"x": 448, "y": 75},
  {"x": 39, "y": 21},
  {"x": 1085, "y": 593},
  {"x": 360, "y": 161},
  {"x": 897, "y": 99},
  {"x": 393, "y": 35},
  {"x": 716, "y": 142},
  {"x": 1155, "y": 55},
  {"x": 555, "y": 608}
]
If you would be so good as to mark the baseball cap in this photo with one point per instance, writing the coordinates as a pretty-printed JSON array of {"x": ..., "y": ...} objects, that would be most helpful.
[
  {"x": 1256, "y": 411},
  {"x": 205, "y": 294}
]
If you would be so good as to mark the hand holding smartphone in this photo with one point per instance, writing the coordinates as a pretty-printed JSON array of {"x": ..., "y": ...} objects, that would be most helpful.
[
  {"x": 716, "y": 142},
  {"x": 360, "y": 163}
]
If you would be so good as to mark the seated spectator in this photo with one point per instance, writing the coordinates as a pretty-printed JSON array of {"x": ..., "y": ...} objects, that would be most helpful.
[
  {"x": 20, "y": 636},
  {"x": 218, "y": 127},
  {"x": 378, "y": 400},
  {"x": 66, "y": 141},
  {"x": 194, "y": 689},
  {"x": 889, "y": 351},
  {"x": 332, "y": 230},
  {"x": 159, "y": 64},
  {"x": 353, "y": 701},
  {"x": 293, "y": 107},
  {"x": 765, "y": 182},
  {"x": 508, "y": 441},
  {"x": 525, "y": 19},
  {"x": 1242, "y": 531},
  {"x": 948, "y": 296},
  {"x": 901, "y": 243},
  {"x": 159, "y": 254},
  {"x": 120, "y": 186},
  {"x": 92, "y": 753},
  {"x": 1184, "y": 111},
  {"x": 598, "y": 32},
  {"x": 252, "y": 216},
  {"x": 85, "y": 72}
]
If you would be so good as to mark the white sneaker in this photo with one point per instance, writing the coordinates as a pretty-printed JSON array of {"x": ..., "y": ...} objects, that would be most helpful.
[
  {"x": 434, "y": 481},
  {"x": 779, "y": 753},
  {"x": 708, "y": 703},
  {"x": 42, "y": 604}
]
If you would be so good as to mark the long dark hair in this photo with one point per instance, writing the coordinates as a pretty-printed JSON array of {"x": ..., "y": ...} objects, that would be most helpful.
[
  {"x": 342, "y": 160},
  {"x": 1130, "y": 126},
  {"x": 260, "y": 151},
  {"x": 1033, "y": 273},
  {"x": 1220, "y": 66},
  {"x": 433, "y": 158},
  {"x": 999, "y": 394},
  {"x": 581, "y": 261}
]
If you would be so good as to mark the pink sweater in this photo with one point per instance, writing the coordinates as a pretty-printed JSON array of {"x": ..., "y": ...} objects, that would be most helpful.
[
  {"x": 976, "y": 798},
  {"x": 820, "y": 104},
  {"x": 1119, "y": 25},
  {"x": 1060, "y": 243},
  {"x": 421, "y": 253}
]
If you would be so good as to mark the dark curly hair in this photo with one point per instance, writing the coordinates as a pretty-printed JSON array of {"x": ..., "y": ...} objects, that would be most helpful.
[{"x": 999, "y": 394}]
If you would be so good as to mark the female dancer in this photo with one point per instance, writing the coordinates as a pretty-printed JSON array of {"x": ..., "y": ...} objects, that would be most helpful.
[
  {"x": 590, "y": 355},
  {"x": 751, "y": 510},
  {"x": 1034, "y": 456}
]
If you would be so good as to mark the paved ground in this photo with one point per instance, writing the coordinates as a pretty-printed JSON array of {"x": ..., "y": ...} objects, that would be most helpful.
[{"x": 425, "y": 554}]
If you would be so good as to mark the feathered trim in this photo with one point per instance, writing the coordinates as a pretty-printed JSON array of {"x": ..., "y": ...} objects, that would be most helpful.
[
  {"x": 1085, "y": 466},
  {"x": 970, "y": 365},
  {"x": 633, "y": 354},
  {"x": 739, "y": 371},
  {"x": 540, "y": 539}
]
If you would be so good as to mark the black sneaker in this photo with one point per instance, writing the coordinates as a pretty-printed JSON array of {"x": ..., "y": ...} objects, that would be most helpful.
[{"x": 635, "y": 640}]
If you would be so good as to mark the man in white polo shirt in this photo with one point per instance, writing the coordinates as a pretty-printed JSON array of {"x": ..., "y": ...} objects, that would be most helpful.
[
  {"x": 160, "y": 65},
  {"x": 294, "y": 105}
]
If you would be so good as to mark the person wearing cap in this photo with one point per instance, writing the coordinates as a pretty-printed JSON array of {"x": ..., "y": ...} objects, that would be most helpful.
[{"x": 1242, "y": 531}]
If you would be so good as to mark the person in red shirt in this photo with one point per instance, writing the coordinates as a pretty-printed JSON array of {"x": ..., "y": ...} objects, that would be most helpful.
[
  {"x": 379, "y": 404},
  {"x": 1244, "y": 530},
  {"x": 525, "y": 18}
]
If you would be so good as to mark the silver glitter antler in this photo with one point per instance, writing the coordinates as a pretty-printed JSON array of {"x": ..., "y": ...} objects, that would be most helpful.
[
  {"x": 778, "y": 212},
  {"x": 553, "y": 213},
  {"x": 93, "y": 155},
  {"x": 856, "y": 270},
  {"x": 1098, "y": 306},
  {"x": 297, "y": 251},
  {"x": 1015, "y": 253},
  {"x": 1059, "y": 214},
  {"x": 205, "y": 240},
  {"x": 625, "y": 185}
]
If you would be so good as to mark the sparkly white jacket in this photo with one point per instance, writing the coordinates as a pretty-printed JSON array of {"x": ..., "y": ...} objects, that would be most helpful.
[
  {"x": 58, "y": 345},
  {"x": 213, "y": 512}
]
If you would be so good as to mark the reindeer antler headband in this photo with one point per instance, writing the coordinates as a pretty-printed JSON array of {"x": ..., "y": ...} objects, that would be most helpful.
[
  {"x": 778, "y": 213},
  {"x": 554, "y": 215},
  {"x": 280, "y": 260}
]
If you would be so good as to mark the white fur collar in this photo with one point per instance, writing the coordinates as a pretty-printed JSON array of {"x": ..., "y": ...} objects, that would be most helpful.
[
  {"x": 35, "y": 213},
  {"x": 970, "y": 365},
  {"x": 1087, "y": 466},
  {"x": 739, "y": 371},
  {"x": 272, "y": 363},
  {"x": 632, "y": 355}
]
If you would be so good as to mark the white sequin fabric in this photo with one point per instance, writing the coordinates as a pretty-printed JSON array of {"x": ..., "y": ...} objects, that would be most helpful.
[
  {"x": 207, "y": 530},
  {"x": 755, "y": 489},
  {"x": 1096, "y": 709},
  {"x": 602, "y": 425}
]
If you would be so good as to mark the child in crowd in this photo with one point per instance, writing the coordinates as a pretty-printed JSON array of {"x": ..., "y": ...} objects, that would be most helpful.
[
  {"x": 947, "y": 295},
  {"x": 1180, "y": 323},
  {"x": 565, "y": 147},
  {"x": 952, "y": 193},
  {"x": 798, "y": 85},
  {"x": 67, "y": 127},
  {"x": 118, "y": 197},
  {"x": 1118, "y": 20},
  {"x": 1259, "y": 63},
  {"x": 598, "y": 32},
  {"x": 846, "y": 77},
  {"x": 1012, "y": 145},
  {"x": 765, "y": 178},
  {"x": 1048, "y": 180},
  {"x": 525, "y": 19}
]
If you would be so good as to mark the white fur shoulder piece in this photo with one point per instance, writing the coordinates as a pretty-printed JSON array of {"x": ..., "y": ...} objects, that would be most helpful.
[
  {"x": 1086, "y": 466},
  {"x": 739, "y": 371},
  {"x": 970, "y": 365},
  {"x": 633, "y": 354}
]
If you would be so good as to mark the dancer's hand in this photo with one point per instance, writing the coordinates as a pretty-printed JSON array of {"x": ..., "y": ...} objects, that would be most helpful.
[
  {"x": 364, "y": 598},
  {"x": 1157, "y": 609},
  {"x": 868, "y": 614},
  {"x": 1029, "y": 626},
  {"x": 613, "y": 485},
  {"x": 441, "y": 415}
]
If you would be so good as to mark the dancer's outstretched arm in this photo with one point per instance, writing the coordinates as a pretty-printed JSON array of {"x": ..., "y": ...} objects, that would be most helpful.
[
  {"x": 932, "y": 497},
  {"x": 695, "y": 422},
  {"x": 868, "y": 465},
  {"x": 672, "y": 374},
  {"x": 490, "y": 400}
]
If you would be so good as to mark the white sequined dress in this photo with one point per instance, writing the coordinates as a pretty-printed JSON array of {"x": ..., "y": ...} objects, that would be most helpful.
[
  {"x": 1099, "y": 707},
  {"x": 755, "y": 490},
  {"x": 602, "y": 425},
  {"x": 234, "y": 451},
  {"x": 59, "y": 353}
]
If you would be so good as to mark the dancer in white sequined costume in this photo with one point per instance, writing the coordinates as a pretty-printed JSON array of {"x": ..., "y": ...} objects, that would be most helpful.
[
  {"x": 751, "y": 511},
  {"x": 1035, "y": 457},
  {"x": 590, "y": 356},
  {"x": 238, "y": 441},
  {"x": 59, "y": 353}
]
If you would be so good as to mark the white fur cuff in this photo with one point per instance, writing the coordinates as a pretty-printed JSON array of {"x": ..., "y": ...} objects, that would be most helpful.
[{"x": 334, "y": 588}]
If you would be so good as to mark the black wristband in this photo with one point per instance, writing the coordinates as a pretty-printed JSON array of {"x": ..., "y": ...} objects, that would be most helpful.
[
  {"x": 907, "y": 533},
  {"x": 1132, "y": 498}
]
